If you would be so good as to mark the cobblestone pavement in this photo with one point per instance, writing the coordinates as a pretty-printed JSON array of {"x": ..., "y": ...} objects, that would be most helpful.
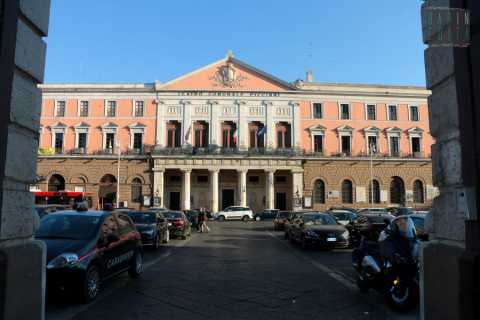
[{"x": 238, "y": 271}]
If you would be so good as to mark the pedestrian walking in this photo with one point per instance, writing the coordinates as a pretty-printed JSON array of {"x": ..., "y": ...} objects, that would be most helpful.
[
  {"x": 201, "y": 219},
  {"x": 204, "y": 227}
]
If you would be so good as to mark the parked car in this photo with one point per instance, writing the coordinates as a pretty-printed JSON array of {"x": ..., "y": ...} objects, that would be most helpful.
[
  {"x": 292, "y": 216},
  {"x": 43, "y": 210},
  {"x": 179, "y": 224},
  {"x": 319, "y": 229},
  {"x": 266, "y": 214},
  {"x": 373, "y": 211},
  {"x": 343, "y": 208},
  {"x": 85, "y": 248},
  {"x": 343, "y": 217},
  {"x": 401, "y": 211},
  {"x": 369, "y": 226},
  {"x": 235, "y": 213},
  {"x": 153, "y": 227},
  {"x": 280, "y": 219}
]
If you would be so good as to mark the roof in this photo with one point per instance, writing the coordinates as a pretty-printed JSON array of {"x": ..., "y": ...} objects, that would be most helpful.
[{"x": 91, "y": 213}]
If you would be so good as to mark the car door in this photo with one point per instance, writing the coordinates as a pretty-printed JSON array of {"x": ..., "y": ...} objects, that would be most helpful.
[
  {"x": 107, "y": 246},
  {"x": 128, "y": 240}
]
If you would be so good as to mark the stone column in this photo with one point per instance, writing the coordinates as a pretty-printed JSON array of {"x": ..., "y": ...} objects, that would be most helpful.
[
  {"x": 186, "y": 188},
  {"x": 242, "y": 187},
  {"x": 270, "y": 190},
  {"x": 158, "y": 185},
  {"x": 297, "y": 188},
  {"x": 214, "y": 190},
  {"x": 452, "y": 73},
  {"x": 23, "y": 24}
]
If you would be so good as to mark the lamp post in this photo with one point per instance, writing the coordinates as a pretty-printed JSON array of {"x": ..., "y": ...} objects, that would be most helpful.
[{"x": 117, "y": 144}]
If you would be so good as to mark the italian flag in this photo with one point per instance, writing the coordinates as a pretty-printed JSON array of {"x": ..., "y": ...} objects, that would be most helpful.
[{"x": 235, "y": 135}]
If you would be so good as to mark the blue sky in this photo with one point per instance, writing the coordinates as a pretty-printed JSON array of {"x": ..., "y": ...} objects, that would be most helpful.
[{"x": 358, "y": 41}]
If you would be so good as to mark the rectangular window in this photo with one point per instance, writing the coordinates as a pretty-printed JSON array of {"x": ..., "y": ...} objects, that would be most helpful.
[
  {"x": 109, "y": 140},
  {"x": 392, "y": 113},
  {"x": 416, "y": 149},
  {"x": 344, "y": 111},
  {"x": 280, "y": 141},
  {"x": 253, "y": 179},
  {"x": 58, "y": 142},
  {"x": 202, "y": 179},
  {"x": 372, "y": 145},
  {"x": 371, "y": 112},
  {"x": 111, "y": 108},
  {"x": 318, "y": 144},
  {"x": 60, "y": 109},
  {"x": 171, "y": 138},
  {"x": 198, "y": 138},
  {"x": 226, "y": 138},
  {"x": 394, "y": 146},
  {"x": 317, "y": 111},
  {"x": 346, "y": 145},
  {"x": 139, "y": 108},
  {"x": 137, "y": 193},
  {"x": 82, "y": 140},
  {"x": 413, "y": 113},
  {"x": 83, "y": 112},
  {"x": 137, "y": 140}
]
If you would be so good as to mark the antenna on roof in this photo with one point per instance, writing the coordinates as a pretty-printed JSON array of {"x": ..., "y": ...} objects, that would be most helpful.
[{"x": 229, "y": 54}]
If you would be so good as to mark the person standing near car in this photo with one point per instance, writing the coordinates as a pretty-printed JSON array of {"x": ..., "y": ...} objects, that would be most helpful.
[
  {"x": 204, "y": 226},
  {"x": 201, "y": 219}
]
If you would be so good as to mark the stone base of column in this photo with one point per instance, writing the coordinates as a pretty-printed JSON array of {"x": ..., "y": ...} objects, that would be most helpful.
[{"x": 22, "y": 279}]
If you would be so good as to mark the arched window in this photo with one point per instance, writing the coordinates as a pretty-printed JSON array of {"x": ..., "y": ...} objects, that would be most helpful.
[
  {"x": 80, "y": 184},
  {"x": 397, "y": 191},
  {"x": 136, "y": 190},
  {"x": 374, "y": 192},
  {"x": 418, "y": 191},
  {"x": 319, "y": 192},
  {"x": 56, "y": 183},
  {"x": 347, "y": 191}
]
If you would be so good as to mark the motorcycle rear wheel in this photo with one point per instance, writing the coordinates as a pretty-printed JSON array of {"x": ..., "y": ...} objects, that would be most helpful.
[{"x": 402, "y": 297}]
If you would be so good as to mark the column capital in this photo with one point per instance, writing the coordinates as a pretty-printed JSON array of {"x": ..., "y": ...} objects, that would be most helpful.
[
  {"x": 270, "y": 170},
  {"x": 213, "y": 170},
  {"x": 186, "y": 170},
  {"x": 156, "y": 169},
  {"x": 242, "y": 170}
]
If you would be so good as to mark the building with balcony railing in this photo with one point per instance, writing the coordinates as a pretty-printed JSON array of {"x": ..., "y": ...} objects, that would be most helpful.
[{"x": 230, "y": 134}]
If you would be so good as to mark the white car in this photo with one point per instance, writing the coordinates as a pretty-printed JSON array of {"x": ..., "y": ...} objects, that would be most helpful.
[{"x": 235, "y": 213}]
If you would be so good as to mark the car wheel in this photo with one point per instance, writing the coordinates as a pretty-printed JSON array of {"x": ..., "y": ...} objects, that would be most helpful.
[
  {"x": 257, "y": 218},
  {"x": 91, "y": 285},
  {"x": 221, "y": 218},
  {"x": 245, "y": 218},
  {"x": 136, "y": 266}
]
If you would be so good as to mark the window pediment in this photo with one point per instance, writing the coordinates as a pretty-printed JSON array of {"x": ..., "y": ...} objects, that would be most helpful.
[
  {"x": 317, "y": 128},
  {"x": 344, "y": 129},
  {"x": 393, "y": 130}
]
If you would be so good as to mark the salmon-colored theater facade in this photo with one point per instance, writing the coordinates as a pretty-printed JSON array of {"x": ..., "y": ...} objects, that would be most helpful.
[{"x": 230, "y": 134}]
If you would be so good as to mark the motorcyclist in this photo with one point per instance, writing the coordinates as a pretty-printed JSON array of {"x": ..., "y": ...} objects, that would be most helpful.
[{"x": 399, "y": 238}]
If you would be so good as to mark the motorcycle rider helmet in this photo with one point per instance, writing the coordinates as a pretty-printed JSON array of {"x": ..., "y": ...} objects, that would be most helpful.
[{"x": 404, "y": 227}]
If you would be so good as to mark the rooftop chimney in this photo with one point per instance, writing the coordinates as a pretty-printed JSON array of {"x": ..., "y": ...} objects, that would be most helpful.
[{"x": 309, "y": 76}]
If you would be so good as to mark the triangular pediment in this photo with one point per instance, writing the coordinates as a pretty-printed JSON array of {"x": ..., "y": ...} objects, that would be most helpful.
[
  {"x": 82, "y": 125},
  {"x": 415, "y": 130},
  {"x": 393, "y": 129},
  {"x": 58, "y": 125},
  {"x": 370, "y": 129},
  {"x": 345, "y": 128},
  {"x": 317, "y": 127},
  {"x": 228, "y": 74},
  {"x": 136, "y": 125},
  {"x": 109, "y": 125}
]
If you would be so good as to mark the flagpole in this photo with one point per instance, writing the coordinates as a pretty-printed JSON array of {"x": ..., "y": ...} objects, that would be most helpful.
[{"x": 118, "y": 174}]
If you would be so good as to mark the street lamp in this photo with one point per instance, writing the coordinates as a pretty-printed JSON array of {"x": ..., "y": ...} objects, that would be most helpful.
[{"x": 117, "y": 144}]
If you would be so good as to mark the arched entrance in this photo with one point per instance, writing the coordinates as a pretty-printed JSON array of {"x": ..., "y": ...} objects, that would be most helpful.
[
  {"x": 107, "y": 190},
  {"x": 56, "y": 183},
  {"x": 397, "y": 191}
]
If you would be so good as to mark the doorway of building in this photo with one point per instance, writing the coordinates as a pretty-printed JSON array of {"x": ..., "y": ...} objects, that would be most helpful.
[
  {"x": 174, "y": 203},
  {"x": 281, "y": 201},
  {"x": 107, "y": 191},
  {"x": 228, "y": 198}
]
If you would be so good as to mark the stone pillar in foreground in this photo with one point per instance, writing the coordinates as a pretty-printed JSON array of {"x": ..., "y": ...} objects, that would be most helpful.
[
  {"x": 23, "y": 24},
  {"x": 451, "y": 260}
]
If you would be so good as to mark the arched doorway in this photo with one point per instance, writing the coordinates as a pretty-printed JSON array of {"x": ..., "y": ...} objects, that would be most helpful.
[
  {"x": 397, "y": 191},
  {"x": 418, "y": 192},
  {"x": 56, "y": 183},
  {"x": 374, "y": 192},
  {"x": 319, "y": 192},
  {"x": 347, "y": 191},
  {"x": 107, "y": 190}
]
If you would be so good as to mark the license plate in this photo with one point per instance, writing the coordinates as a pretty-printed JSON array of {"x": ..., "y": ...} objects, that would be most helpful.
[{"x": 331, "y": 239}]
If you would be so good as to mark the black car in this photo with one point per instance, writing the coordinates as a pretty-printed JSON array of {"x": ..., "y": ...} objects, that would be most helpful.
[
  {"x": 85, "y": 248},
  {"x": 43, "y": 210},
  {"x": 152, "y": 225},
  {"x": 179, "y": 224},
  {"x": 319, "y": 229},
  {"x": 267, "y": 214}
]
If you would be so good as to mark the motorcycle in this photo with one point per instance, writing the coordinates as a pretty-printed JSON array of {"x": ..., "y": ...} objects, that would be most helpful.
[{"x": 390, "y": 265}]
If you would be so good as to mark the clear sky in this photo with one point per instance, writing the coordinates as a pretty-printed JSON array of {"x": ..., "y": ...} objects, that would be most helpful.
[{"x": 359, "y": 41}]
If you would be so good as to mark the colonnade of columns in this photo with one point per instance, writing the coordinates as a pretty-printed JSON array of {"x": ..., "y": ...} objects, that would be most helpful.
[{"x": 159, "y": 187}]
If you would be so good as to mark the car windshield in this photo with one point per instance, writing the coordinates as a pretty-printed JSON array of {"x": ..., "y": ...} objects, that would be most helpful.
[
  {"x": 76, "y": 227},
  {"x": 139, "y": 217},
  {"x": 172, "y": 215},
  {"x": 318, "y": 219}
]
